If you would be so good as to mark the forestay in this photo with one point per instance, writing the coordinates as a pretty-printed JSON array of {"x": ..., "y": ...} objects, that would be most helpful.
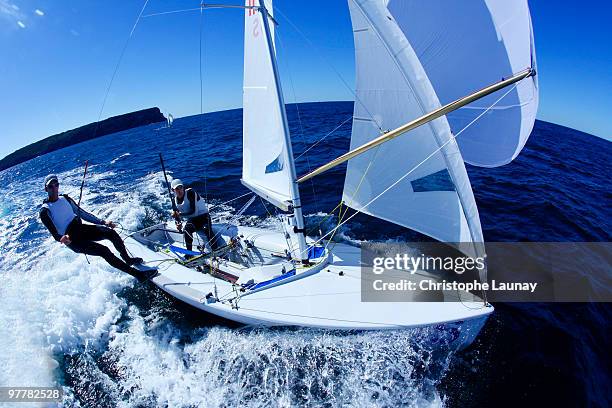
[
  {"x": 265, "y": 161},
  {"x": 464, "y": 46},
  {"x": 436, "y": 198}
]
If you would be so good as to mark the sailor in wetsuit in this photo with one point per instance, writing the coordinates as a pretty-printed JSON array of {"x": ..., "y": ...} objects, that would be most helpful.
[
  {"x": 193, "y": 207},
  {"x": 64, "y": 220}
]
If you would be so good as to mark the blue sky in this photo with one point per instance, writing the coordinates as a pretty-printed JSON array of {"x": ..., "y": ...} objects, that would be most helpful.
[{"x": 58, "y": 58}]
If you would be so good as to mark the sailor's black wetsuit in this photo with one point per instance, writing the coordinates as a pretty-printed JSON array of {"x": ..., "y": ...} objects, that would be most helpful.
[{"x": 64, "y": 217}]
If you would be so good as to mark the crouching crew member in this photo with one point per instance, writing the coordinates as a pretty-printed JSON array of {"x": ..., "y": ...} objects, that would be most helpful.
[{"x": 192, "y": 207}]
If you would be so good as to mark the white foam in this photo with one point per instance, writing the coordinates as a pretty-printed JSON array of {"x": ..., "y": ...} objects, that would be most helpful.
[
  {"x": 118, "y": 158},
  {"x": 259, "y": 367},
  {"x": 53, "y": 303}
]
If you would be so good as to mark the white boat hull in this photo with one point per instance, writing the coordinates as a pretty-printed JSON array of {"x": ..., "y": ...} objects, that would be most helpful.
[{"x": 327, "y": 297}]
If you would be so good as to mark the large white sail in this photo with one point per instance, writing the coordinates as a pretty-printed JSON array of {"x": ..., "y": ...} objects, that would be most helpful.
[
  {"x": 265, "y": 160},
  {"x": 436, "y": 199},
  {"x": 464, "y": 46}
]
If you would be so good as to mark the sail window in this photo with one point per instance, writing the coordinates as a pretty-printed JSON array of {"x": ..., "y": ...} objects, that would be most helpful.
[
  {"x": 438, "y": 181},
  {"x": 276, "y": 165}
]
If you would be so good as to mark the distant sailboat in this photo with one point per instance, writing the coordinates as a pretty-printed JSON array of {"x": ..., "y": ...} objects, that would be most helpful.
[
  {"x": 415, "y": 64},
  {"x": 169, "y": 122}
]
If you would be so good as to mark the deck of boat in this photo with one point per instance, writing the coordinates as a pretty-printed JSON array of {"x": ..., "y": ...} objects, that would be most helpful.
[{"x": 330, "y": 298}]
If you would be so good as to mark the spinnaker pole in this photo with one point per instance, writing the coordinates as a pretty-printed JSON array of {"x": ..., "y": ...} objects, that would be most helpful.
[{"x": 428, "y": 117}]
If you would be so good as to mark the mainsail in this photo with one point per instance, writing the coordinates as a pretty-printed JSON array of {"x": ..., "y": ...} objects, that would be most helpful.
[{"x": 266, "y": 166}]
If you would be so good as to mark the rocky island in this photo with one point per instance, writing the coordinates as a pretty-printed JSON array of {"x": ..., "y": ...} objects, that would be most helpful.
[{"x": 82, "y": 134}]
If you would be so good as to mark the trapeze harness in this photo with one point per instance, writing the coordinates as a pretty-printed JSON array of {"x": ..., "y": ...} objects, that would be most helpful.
[
  {"x": 194, "y": 208},
  {"x": 192, "y": 205}
]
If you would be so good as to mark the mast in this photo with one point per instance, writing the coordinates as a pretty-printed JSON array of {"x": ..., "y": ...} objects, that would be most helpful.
[{"x": 298, "y": 229}]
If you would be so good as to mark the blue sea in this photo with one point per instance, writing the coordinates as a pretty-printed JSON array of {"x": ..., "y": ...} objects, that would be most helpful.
[{"x": 109, "y": 341}]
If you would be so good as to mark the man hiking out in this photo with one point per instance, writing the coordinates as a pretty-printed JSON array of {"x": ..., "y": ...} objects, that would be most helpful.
[{"x": 64, "y": 220}]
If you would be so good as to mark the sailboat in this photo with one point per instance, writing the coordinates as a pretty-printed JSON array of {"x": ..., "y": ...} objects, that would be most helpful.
[
  {"x": 169, "y": 122},
  {"x": 438, "y": 84}
]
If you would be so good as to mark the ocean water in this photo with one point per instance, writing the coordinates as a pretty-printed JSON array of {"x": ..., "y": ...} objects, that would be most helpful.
[{"x": 111, "y": 342}]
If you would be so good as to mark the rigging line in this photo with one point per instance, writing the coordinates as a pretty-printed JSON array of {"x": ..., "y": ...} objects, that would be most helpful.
[
  {"x": 270, "y": 215},
  {"x": 266, "y": 208},
  {"x": 367, "y": 170},
  {"x": 234, "y": 199},
  {"x": 202, "y": 108},
  {"x": 314, "y": 193},
  {"x": 226, "y": 202},
  {"x": 235, "y": 216},
  {"x": 122, "y": 228},
  {"x": 504, "y": 107},
  {"x": 324, "y": 137},
  {"x": 354, "y": 93},
  {"x": 284, "y": 231},
  {"x": 341, "y": 215},
  {"x": 326, "y": 216},
  {"x": 171, "y": 12},
  {"x": 161, "y": 260},
  {"x": 451, "y": 138},
  {"x": 469, "y": 307},
  {"x": 82, "y": 185},
  {"x": 117, "y": 67},
  {"x": 363, "y": 176},
  {"x": 81, "y": 196}
]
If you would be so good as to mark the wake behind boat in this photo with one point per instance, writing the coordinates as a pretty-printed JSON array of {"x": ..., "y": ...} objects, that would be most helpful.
[{"x": 418, "y": 180}]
